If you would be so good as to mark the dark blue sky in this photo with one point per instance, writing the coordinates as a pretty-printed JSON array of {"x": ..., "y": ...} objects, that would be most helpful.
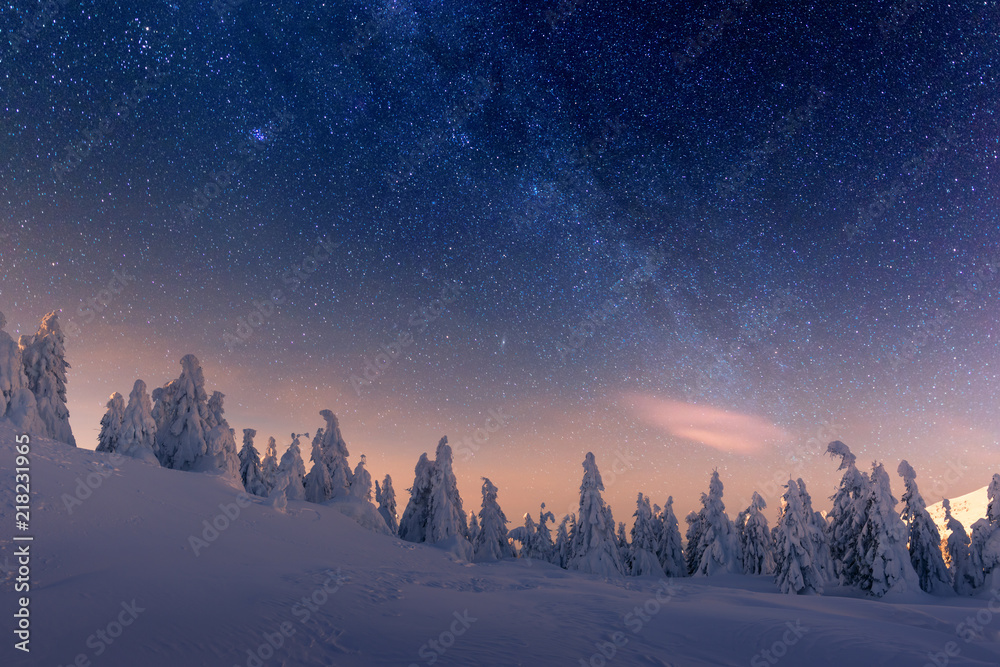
[{"x": 692, "y": 256}]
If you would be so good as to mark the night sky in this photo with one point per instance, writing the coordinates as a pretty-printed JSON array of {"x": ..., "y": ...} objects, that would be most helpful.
[{"x": 683, "y": 237}]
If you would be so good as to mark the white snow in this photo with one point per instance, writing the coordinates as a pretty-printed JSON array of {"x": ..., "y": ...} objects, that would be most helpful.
[{"x": 377, "y": 600}]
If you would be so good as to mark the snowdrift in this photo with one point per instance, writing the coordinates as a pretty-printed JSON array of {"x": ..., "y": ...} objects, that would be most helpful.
[{"x": 135, "y": 565}]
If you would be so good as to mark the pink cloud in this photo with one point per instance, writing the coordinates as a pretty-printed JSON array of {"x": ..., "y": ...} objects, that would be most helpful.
[{"x": 726, "y": 431}]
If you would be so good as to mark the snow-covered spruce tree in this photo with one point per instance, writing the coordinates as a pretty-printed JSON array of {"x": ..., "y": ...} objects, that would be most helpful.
[
  {"x": 138, "y": 434},
  {"x": 924, "y": 538},
  {"x": 595, "y": 547},
  {"x": 44, "y": 359},
  {"x": 269, "y": 466},
  {"x": 413, "y": 524},
  {"x": 755, "y": 538},
  {"x": 623, "y": 546},
  {"x": 966, "y": 576},
  {"x": 250, "y": 473},
  {"x": 692, "y": 553},
  {"x": 492, "y": 542},
  {"x": 182, "y": 412},
  {"x": 544, "y": 546},
  {"x": 473, "y": 527},
  {"x": 817, "y": 536},
  {"x": 335, "y": 454},
  {"x": 446, "y": 518},
  {"x": 361, "y": 481},
  {"x": 642, "y": 557},
  {"x": 526, "y": 535},
  {"x": 669, "y": 549},
  {"x": 978, "y": 540},
  {"x": 719, "y": 545},
  {"x": 17, "y": 403},
  {"x": 111, "y": 424},
  {"x": 291, "y": 472},
  {"x": 847, "y": 516},
  {"x": 385, "y": 496},
  {"x": 317, "y": 483},
  {"x": 885, "y": 561},
  {"x": 795, "y": 570},
  {"x": 562, "y": 552},
  {"x": 988, "y": 543},
  {"x": 220, "y": 442}
]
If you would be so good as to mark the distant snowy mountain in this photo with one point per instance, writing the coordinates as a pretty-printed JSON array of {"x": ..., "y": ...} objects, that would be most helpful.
[
  {"x": 967, "y": 509},
  {"x": 135, "y": 564}
]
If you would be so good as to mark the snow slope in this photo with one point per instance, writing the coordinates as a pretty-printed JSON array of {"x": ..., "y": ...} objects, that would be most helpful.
[
  {"x": 128, "y": 543},
  {"x": 968, "y": 509}
]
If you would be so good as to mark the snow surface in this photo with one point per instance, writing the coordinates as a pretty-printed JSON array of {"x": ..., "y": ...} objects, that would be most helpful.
[{"x": 129, "y": 541}]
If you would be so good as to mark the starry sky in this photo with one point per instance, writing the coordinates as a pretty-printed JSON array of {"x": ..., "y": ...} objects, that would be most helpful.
[{"x": 682, "y": 236}]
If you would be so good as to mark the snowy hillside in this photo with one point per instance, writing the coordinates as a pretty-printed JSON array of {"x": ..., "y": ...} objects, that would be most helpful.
[
  {"x": 122, "y": 579},
  {"x": 967, "y": 509}
]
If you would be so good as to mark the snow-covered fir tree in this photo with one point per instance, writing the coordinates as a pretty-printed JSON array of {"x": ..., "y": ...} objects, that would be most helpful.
[
  {"x": 622, "y": 540},
  {"x": 138, "y": 434},
  {"x": 111, "y": 424},
  {"x": 473, "y": 527},
  {"x": 692, "y": 536},
  {"x": 492, "y": 542},
  {"x": 885, "y": 561},
  {"x": 795, "y": 568},
  {"x": 291, "y": 471},
  {"x": 818, "y": 536},
  {"x": 988, "y": 542},
  {"x": 847, "y": 516},
  {"x": 526, "y": 535},
  {"x": 361, "y": 481},
  {"x": 718, "y": 546},
  {"x": 924, "y": 537},
  {"x": 446, "y": 518},
  {"x": 385, "y": 496},
  {"x": 669, "y": 550},
  {"x": 595, "y": 547},
  {"x": 544, "y": 545},
  {"x": 562, "y": 551},
  {"x": 642, "y": 559},
  {"x": 250, "y": 473},
  {"x": 413, "y": 524},
  {"x": 978, "y": 540},
  {"x": 317, "y": 483},
  {"x": 966, "y": 577},
  {"x": 755, "y": 538},
  {"x": 182, "y": 411},
  {"x": 220, "y": 442},
  {"x": 44, "y": 359},
  {"x": 269, "y": 466},
  {"x": 17, "y": 403},
  {"x": 335, "y": 455}
]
